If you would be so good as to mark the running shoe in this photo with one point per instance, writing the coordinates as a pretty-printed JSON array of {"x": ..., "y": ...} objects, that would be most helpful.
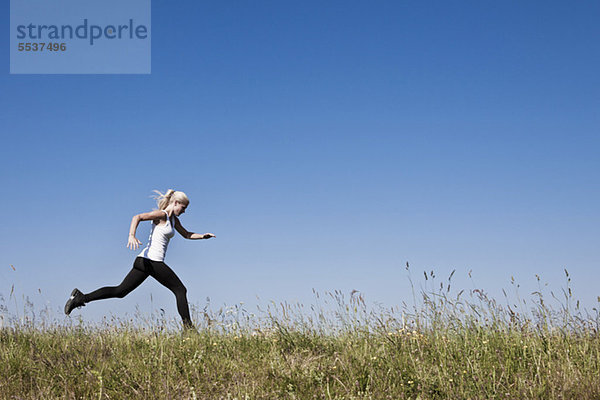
[{"x": 76, "y": 300}]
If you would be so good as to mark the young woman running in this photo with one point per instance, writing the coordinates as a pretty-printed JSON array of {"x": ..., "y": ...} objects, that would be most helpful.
[{"x": 150, "y": 262}]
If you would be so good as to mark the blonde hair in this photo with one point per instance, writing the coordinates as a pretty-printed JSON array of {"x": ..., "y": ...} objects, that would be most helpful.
[{"x": 163, "y": 200}]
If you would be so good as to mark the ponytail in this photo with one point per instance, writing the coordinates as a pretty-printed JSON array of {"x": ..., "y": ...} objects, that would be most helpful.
[{"x": 163, "y": 200}]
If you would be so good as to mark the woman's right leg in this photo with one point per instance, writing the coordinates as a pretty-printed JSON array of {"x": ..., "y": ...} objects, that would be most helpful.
[
  {"x": 167, "y": 277},
  {"x": 133, "y": 279}
]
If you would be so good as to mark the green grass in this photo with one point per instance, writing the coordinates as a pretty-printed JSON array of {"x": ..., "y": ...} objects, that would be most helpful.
[{"x": 440, "y": 348}]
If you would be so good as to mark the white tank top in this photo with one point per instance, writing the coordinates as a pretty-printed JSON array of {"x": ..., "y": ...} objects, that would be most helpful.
[{"x": 159, "y": 240}]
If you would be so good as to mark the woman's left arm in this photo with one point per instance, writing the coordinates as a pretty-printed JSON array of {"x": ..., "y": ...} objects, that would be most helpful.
[{"x": 191, "y": 235}]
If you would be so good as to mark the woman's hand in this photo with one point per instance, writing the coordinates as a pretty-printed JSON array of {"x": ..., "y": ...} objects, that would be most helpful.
[
  {"x": 133, "y": 243},
  {"x": 195, "y": 236}
]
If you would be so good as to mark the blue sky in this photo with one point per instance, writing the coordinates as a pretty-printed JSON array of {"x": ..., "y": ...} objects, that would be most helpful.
[{"x": 325, "y": 145}]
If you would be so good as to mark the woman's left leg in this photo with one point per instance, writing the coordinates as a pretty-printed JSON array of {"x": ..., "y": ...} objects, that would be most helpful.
[
  {"x": 166, "y": 277},
  {"x": 134, "y": 278}
]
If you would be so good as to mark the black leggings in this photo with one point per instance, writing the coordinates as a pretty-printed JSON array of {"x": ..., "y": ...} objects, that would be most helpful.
[{"x": 142, "y": 268}]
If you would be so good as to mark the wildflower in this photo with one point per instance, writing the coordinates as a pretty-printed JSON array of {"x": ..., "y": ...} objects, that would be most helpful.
[
  {"x": 410, "y": 382},
  {"x": 214, "y": 343}
]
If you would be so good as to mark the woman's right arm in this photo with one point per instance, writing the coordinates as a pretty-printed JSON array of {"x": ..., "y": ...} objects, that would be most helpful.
[{"x": 132, "y": 242}]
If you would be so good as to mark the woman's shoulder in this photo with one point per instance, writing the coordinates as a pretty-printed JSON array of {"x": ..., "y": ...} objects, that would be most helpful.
[
  {"x": 152, "y": 215},
  {"x": 161, "y": 217}
]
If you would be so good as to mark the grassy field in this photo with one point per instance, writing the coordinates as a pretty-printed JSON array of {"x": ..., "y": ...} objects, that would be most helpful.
[{"x": 440, "y": 348}]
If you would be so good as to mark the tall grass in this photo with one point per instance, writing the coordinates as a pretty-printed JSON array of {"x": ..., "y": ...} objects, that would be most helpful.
[{"x": 447, "y": 344}]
